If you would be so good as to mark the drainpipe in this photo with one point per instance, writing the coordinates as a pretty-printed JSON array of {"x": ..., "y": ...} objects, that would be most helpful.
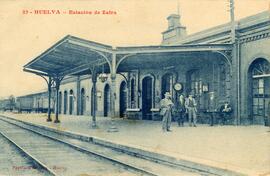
[
  {"x": 236, "y": 60},
  {"x": 239, "y": 83}
]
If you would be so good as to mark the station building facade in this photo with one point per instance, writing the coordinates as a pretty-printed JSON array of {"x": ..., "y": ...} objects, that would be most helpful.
[
  {"x": 76, "y": 96},
  {"x": 205, "y": 64},
  {"x": 253, "y": 44}
]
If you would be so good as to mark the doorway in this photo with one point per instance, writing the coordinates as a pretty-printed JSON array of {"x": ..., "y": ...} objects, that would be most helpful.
[
  {"x": 260, "y": 90},
  {"x": 123, "y": 99},
  {"x": 106, "y": 100},
  {"x": 83, "y": 102},
  {"x": 71, "y": 103},
  {"x": 147, "y": 97},
  {"x": 60, "y": 103},
  {"x": 65, "y": 102}
]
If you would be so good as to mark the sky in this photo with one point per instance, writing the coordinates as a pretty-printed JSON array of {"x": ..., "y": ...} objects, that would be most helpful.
[{"x": 136, "y": 22}]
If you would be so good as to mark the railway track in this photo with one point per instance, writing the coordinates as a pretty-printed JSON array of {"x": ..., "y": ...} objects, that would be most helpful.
[
  {"x": 15, "y": 161},
  {"x": 63, "y": 155}
]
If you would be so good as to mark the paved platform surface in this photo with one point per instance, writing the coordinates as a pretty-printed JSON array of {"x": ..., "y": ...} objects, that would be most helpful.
[{"x": 245, "y": 149}]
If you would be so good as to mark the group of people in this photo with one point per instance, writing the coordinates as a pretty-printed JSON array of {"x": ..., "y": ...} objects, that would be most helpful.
[
  {"x": 184, "y": 106},
  {"x": 179, "y": 109}
]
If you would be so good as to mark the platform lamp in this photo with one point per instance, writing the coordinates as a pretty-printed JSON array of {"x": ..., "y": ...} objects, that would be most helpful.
[{"x": 103, "y": 76}]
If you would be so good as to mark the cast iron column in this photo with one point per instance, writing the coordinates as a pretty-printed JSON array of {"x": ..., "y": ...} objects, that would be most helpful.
[
  {"x": 112, "y": 127},
  {"x": 49, "y": 99},
  {"x": 57, "y": 85},
  {"x": 78, "y": 95},
  {"x": 94, "y": 98}
]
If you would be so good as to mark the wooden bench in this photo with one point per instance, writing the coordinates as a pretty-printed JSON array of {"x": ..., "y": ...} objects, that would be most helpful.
[{"x": 134, "y": 114}]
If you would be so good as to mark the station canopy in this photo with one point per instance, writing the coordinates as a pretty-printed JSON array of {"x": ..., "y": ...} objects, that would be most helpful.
[{"x": 76, "y": 56}]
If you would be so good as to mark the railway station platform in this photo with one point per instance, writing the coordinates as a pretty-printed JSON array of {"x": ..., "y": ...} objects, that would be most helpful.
[{"x": 244, "y": 149}]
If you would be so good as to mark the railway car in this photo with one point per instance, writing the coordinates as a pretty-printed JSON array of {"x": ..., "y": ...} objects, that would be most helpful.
[
  {"x": 6, "y": 105},
  {"x": 37, "y": 102},
  {"x": 24, "y": 103}
]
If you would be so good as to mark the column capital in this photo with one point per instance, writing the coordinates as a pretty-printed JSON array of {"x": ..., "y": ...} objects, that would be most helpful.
[
  {"x": 113, "y": 76},
  {"x": 94, "y": 79}
]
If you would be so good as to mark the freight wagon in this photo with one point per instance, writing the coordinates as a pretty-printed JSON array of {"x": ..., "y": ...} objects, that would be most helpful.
[{"x": 37, "y": 102}]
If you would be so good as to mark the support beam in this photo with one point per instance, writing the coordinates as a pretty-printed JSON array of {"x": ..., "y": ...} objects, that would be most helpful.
[
  {"x": 57, "y": 81},
  {"x": 49, "y": 119},
  {"x": 78, "y": 85},
  {"x": 173, "y": 49},
  {"x": 39, "y": 73},
  {"x": 113, "y": 95}
]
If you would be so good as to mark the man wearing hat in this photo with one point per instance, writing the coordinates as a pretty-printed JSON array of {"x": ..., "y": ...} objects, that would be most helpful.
[
  {"x": 166, "y": 105},
  {"x": 179, "y": 110},
  {"x": 192, "y": 110}
]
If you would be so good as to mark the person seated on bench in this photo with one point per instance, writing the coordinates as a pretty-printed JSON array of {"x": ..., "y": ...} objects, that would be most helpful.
[{"x": 225, "y": 112}]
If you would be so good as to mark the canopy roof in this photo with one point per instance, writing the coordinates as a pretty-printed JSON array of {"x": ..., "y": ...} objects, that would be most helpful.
[
  {"x": 72, "y": 55},
  {"x": 66, "y": 55}
]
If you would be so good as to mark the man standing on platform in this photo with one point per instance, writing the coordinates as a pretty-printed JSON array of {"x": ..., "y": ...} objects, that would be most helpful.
[
  {"x": 179, "y": 110},
  {"x": 192, "y": 110},
  {"x": 166, "y": 105}
]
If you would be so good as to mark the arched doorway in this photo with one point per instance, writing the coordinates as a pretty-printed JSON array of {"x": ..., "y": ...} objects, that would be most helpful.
[
  {"x": 71, "y": 103},
  {"x": 65, "y": 102},
  {"x": 123, "y": 98},
  {"x": 60, "y": 103},
  {"x": 107, "y": 101},
  {"x": 132, "y": 93},
  {"x": 166, "y": 84},
  {"x": 147, "y": 97},
  {"x": 83, "y": 102},
  {"x": 194, "y": 85},
  {"x": 259, "y": 77}
]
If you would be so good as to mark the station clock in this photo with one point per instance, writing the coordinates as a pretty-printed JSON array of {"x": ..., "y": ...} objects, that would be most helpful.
[{"x": 178, "y": 87}]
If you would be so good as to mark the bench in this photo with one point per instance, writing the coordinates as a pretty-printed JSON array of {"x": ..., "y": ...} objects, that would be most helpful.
[{"x": 134, "y": 113}]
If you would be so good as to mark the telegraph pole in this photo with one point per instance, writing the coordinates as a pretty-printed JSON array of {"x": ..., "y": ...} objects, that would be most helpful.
[{"x": 178, "y": 8}]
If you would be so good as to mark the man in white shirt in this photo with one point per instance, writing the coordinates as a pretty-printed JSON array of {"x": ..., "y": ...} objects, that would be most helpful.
[{"x": 166, "y": 105}]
